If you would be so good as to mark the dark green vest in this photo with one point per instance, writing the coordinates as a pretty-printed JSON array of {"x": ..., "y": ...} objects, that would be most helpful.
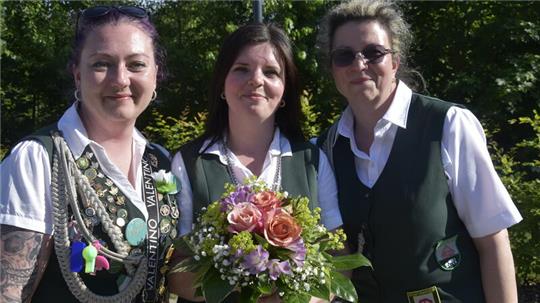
[
  {"x": 208, "y": 175},
  {"x": 52, "y": 285},
  {"x": 406, "y": 213}
]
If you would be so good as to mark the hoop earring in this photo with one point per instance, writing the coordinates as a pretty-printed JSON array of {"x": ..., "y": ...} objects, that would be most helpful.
[
  {"x": 222, "y": 96},
  {"x": 77, "y": 97},
  {"x": 282, "y": 103},
  {"x": 154, "y": 96}
]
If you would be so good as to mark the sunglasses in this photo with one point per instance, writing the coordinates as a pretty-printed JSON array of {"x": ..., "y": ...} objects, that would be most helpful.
[
  {"x": 101, "y": 11},
  {"x": 372, "y": 54}
]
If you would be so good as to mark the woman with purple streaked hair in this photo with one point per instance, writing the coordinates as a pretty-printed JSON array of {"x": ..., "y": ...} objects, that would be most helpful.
[{"x": 88, "y": 210}]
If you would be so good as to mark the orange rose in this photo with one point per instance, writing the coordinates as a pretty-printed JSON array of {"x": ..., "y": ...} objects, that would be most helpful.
[
  {"x": 280, "y": 228},
  {"x": 266, "y": 201}
]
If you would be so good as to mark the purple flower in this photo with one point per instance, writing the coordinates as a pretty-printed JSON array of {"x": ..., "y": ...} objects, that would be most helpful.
[
  {"x": 256, "y": 261},
  {"x": 277, "y": 268},
  {"x": 242, "y": 194},
  {"x": 299, "y": 252}
]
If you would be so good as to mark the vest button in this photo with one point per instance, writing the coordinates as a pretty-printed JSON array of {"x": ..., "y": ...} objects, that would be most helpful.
[{"x": 366, "y": 195}]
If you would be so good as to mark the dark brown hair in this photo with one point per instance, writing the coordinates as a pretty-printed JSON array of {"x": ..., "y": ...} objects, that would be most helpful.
[{"x": 288, "y": 117}]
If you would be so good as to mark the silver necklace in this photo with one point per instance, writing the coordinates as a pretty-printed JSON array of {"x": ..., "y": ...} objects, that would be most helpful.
[{"x": 228, "y": 157}]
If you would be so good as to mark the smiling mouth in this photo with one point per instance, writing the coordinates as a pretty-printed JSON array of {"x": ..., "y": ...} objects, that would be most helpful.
[
  {"x": 255, "y": 96},
  {"x": 120, "y": 97}
]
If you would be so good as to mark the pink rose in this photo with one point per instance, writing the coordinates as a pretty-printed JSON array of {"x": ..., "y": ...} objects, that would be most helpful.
[
  {"x": 280, "y": 228},
  {"x": 266, "y": 201},
  {"x": 244, "y": 216}
]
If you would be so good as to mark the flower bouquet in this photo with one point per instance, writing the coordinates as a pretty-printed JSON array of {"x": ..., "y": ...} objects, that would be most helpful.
[{"x": 260, "y": 242}]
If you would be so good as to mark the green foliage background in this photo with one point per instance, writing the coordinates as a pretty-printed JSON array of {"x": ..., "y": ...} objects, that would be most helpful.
[{"x": 485, "y": 55}]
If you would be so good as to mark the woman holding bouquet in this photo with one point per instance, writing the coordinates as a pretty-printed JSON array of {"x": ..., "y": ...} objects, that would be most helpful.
[
  {"x": 418, "y": 192},
  {"x": 84, "y": 217},
  {"x": 253, "y": 131}
]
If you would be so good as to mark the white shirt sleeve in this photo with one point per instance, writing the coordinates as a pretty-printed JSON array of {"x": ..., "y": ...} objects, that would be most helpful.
[
  {"x": 327, "y": 192},
  {"x": 185, "y": 197},
  {"x": 481, "y": 200},
  {"x": 25, "y": 188}
]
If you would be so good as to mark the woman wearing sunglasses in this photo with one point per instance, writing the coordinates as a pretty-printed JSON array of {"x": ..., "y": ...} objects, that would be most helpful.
[
  {"x": 83, "y": 217},
  {"x": 417, "y": 190},
  {"x": 253, "y": 130}
]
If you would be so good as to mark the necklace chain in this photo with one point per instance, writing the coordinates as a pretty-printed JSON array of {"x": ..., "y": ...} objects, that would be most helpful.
[{"x": 228, "y": 157}]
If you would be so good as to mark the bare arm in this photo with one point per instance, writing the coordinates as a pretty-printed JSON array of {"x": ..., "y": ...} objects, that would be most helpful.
[
  {"x": 23, "y": 258},
  {"x": 497, "y": 267}
]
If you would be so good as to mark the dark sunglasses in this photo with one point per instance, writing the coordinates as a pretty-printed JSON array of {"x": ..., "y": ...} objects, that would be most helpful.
[
  {"x": 372, "y": 54},
  {"x": 101, "y": 11}
]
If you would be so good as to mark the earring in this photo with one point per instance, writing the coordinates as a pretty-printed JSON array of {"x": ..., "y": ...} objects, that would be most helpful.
[
  {"x": 77, "y": 94},
  {"x": 282, "y": 103},
  {"x": 154, "y": 96},
  {"x": 222, "y": 96}
]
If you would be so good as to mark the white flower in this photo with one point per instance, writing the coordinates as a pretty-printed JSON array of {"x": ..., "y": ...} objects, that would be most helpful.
[{"x": 165, "y": 182}]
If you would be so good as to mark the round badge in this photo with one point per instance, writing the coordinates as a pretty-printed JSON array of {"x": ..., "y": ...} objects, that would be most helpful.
[
  {"x": 122, "y": 213},
  {"x": 165, "y": 225},
  {"x": 165, "y": 210},
  {"x": 120, "y": 222},
  {"x": 90, "y": 173},
  {"x": 83, "y": 162},
  {"x": 90, "y": 212},
  {"x": 136, "y": 231}
]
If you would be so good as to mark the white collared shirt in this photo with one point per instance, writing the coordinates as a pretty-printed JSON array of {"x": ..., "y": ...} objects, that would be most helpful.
[
  {"x": 26, "y": 176},
  {"x": 482, "y": 201},
  {"x": 327, "y": 190}
]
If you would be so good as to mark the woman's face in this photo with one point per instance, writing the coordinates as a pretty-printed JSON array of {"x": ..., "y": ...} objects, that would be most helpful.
[
  {"x": 254, "y": 85},
  {"x": 116, "y": 74},
  {"x": 360, "y": 81}
]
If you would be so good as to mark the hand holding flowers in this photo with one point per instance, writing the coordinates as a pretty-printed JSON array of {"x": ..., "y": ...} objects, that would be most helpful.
[{"x": 259, "y": 242}]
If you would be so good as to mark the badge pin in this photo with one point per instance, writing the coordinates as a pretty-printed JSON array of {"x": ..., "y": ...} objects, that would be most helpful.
[
  {"x": 447, "y": 253},
  {"x": 175, "y": 213},
  {"x": 165, "y": 210},
  {"x": 120, "y": 222},
  {"x": 90, "y": 212},
  {"x": 83, "y": 162},
  {"x": 426, "y": 295},
  {"x": 90, "y": 173},
  {"x": 136, "y": 231},
  {"x": 165, "y": 226},
  {"x": 120, "y": 201},
  {"x": 122, "y": 213}
]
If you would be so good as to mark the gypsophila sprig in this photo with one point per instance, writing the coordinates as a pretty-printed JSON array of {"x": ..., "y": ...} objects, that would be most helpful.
[{"x": 256, "y": 240}]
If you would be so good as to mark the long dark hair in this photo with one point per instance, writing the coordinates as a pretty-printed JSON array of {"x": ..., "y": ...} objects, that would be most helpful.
[{"x": 288, "y": 117}]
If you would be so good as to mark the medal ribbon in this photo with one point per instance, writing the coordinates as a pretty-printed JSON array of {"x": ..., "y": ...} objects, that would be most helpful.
[{"x": 150, "y": 198}]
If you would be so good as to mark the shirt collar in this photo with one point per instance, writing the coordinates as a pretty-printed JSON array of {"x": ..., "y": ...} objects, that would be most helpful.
[
  {"x": 279, "y": 144},
  {"x": 75, "y": 134},
  {"x": 396, "y": 114}
]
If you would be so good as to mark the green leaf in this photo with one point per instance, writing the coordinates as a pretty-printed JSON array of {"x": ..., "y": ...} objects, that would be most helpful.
[
  {"x": 322, "y": 291},
  {"x": 350, "y": 261},
  {"x": 249, "y": 295},
  {"x": 343, "y": 287},
  {"x": 265, "y": 287},
  {"x": 186, "y": 265},
  {"x": 214, "y": 289}
]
